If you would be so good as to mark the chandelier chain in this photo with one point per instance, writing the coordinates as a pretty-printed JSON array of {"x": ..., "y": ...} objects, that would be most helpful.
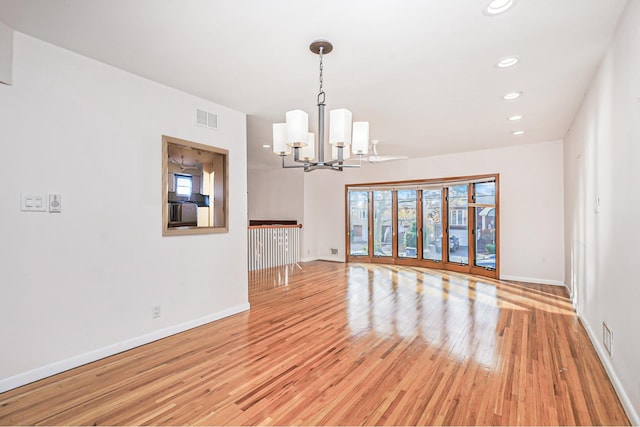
[{"x": 321, "y": 95}]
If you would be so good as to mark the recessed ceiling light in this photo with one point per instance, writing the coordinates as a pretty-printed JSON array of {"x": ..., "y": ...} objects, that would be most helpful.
[
  {"x": 496, "y": 7},
  {"x": 507, "y": 62},
  {"x": 514, "y": 118},
  {"x": 266, "y": 146},
  {"x": 511, "y": 96},
  {"x": 517, "y": 132}
]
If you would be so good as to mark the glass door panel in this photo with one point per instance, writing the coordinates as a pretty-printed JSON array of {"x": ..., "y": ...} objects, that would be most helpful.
[
  {"x": 458, "y": 229},
  {"x": 359, "y": 223},
  {"x": 485, "y": 223},
  {"x": 453, "y": 222},
  {"x": 382, "y": 223},
  {"x": 431, "y": 224},
  {"x": 407, "y": 223}
]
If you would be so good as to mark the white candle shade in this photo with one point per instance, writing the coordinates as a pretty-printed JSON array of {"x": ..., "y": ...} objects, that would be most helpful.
[
  {"x": 309, "y": 152},
  {"x": 340, "y": 127},
  {"x": 360, "y": 142},
  {"x": 297, "y": 128},
  {"x": 280, "y": 146}
]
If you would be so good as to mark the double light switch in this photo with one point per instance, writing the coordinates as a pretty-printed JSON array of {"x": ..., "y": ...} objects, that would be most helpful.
[{"x": 38, "y": 202}]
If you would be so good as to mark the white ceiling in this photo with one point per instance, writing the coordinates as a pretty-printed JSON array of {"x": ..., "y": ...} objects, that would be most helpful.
[{"x": 422, "y": 72}]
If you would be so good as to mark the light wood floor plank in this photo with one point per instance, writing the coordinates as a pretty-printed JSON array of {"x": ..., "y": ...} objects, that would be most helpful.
[{"x": 349, "y": 344}]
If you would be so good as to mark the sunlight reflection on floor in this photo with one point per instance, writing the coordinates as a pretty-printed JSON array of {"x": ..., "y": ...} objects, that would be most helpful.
[{"x": 451, "y": 311}]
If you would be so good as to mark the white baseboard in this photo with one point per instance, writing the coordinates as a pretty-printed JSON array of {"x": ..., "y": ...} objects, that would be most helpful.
[
  {"x": 91, "y": 356},
  {"x": 532, "y": 280},
  {"x": 321, "y": 258},
  {"x": 332, "y": 259},
  {"x": 617, "y": 385}
]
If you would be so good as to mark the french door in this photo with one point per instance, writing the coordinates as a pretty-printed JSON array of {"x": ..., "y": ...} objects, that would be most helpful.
[{"x": 449, "y": 224}]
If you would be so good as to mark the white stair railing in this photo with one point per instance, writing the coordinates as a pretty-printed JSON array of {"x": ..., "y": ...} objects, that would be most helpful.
[{"x": 273, "y": 245}]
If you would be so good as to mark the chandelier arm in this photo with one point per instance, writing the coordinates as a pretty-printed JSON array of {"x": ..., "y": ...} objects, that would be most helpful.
[
  {"x": 290, "y": 166},
  {"x": 340, "y": 163},
  {"x": 296, "y": 156},
  {"x": 315, "y": 166},
  {"x": 335, "y": 167}
]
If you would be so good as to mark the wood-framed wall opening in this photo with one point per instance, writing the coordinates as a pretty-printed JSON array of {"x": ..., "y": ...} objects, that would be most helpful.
[{"x": 445, "y": 223}]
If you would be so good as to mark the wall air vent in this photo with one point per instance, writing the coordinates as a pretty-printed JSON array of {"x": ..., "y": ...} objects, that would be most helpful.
[{"x": 206, "y": 119}]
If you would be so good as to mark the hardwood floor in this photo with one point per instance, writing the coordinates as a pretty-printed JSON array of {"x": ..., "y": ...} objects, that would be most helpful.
[{"x": 347, "y": 344}]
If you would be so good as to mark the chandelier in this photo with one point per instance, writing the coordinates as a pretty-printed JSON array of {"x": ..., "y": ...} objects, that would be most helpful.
[{"x": 344, "y": 136}]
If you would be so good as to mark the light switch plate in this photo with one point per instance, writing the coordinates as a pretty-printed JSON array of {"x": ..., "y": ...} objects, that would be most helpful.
[
  {"x": 33, "y": 202},
  {"x": 55, "y": 202}
]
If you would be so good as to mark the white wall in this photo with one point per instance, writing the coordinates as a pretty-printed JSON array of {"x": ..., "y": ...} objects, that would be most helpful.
[
  {"x": 80, "y": 284},
  {"x": 531, "y": 204},
  {"x": 275, "y": 194},
  {"x": 6, "y": 53},
  {"x": 602, "y": 159}
]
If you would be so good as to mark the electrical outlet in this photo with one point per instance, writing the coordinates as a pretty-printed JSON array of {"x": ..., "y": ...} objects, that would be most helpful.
[
  {"x": 334, "y": 251},
  {"x": 607, "y": 338},
  {"x": 155, "y": 311}
]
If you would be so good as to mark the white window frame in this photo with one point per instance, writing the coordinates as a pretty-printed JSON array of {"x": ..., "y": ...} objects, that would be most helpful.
[{"x": 178, "y": 186}]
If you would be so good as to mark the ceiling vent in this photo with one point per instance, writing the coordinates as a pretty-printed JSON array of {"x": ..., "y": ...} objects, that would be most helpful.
[{"x": 206, "y": 119}]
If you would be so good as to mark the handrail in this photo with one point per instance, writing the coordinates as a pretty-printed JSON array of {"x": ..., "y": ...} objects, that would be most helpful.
[{"x": 275, "y": 226}]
